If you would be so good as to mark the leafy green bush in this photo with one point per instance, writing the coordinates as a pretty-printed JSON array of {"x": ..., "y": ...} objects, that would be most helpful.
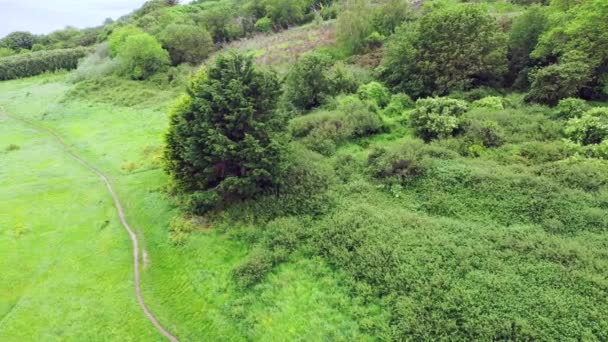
[
  {"x": 35, "y": 63},
  {"x": 590, "y": 129},
  {"x": 225, "y": 135},
  {"x": 582, "y": 173},
  {"x": 398, "y": 105},
  {"x": 141, "y": 56},
  {"x": 559, "y": 81},
  {"x": 490, "y": 102},
  {"x": 436, "y": 118},
  {"x": 343, "y": 79},
  {"x": 400, "y": 165},
  {"x": 263, "y": 25},
  {"x": 255, "y": 268},
  {"x": 525, "y": 33},
  {"x": 308, "y": 83},
  {"x": 571, "y": 108},
  {"x": 484, "y": 133},
  {"x": 119, "y": 37},
  {"x": 537, "y": 152},
  {"x": 354, "y": 25},
  {"x": 324, "y": 131},
  {"x": 19, "y": 40},
  {"x": 180, "y": 229},
  {"x": 187, "y": 43},
  {"x": 376, "y": 93},
  {"x": 451, "y": 48},
  {"x": 5, "y": 52}
]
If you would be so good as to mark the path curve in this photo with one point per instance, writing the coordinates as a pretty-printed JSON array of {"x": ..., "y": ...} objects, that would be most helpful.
[{"x": 121, "y": 214}]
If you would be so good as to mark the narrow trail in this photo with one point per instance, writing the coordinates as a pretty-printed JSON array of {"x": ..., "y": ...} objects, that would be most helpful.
[{"x": 121, "y": 214}]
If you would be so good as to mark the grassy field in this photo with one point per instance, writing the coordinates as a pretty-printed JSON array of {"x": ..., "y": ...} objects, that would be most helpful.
[{"x": 66, "y": 260}]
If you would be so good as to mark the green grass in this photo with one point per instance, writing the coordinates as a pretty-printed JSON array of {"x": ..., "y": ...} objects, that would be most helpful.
[{"x": 66, "y": 261}]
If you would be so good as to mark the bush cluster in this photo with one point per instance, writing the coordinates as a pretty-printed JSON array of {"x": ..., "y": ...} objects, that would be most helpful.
[
  {"x": 436, "y": 118},
  {"x": 35, "y": 63},
  {"x": 323, "y": 131}
]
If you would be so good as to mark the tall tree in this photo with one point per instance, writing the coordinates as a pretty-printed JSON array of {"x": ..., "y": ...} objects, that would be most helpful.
[
  {"x": 225, "y": 138},
  {"x": 451, "y": 48}
]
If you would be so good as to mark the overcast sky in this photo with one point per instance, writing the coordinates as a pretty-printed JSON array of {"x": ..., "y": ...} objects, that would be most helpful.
[{"x": 44, "y": 16}]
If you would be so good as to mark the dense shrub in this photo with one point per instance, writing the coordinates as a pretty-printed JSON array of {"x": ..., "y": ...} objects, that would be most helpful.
[
  {"x": 187, "y": 43},
  {"x": 558, "y": 81},
  {"x": 582, "y": 173},
  {"x": 354, "y": 25},
  {"x": 525, "y": 32},
  {"x": 590, "y": 129},
  {"x": 263, "y": 25},
  {"x": 5, "y": 52},
  {"x": 343, "y": 79},
  {"x": 532, "y": 123},
  {"x": 398, "y": 105},
  {"x": 324, "y": 131},
  {"x": 119, "y": 37},
  {"x": 39, "y": 62},
  {"x": 375, "y": 93},
  {"x": 537, "y": 152},
  {"x": 571, "y": 108},
  {"x": 303, "y": 190},
  {"x": 579, "y": 26},
  {"x": 399, "y": 165},
  {"x": 141, "y": 56},
  {"x": 18, "y": 41},
  {"x": 180, "y": 229},
  {"x": 255, "y": 268},
  {"x": 308, "y": 83},
  {"x": 483, "y": 133},
  {"x": 490, "y": 102},
  {"x": 451, "y": 48},
  {"x": 225, "y": 135},
  {"x": 436, "y": 118},
  {"x": 390, "y": 14}
]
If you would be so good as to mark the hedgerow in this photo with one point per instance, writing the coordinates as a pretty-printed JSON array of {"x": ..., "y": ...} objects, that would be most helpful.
[{"x": 35, "y": 63}]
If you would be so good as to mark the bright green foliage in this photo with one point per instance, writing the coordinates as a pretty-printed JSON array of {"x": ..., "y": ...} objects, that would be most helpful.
[
  {"x": 451, "y": 48},
  {"x": 308, "y": 83},
  {"x": 141, "y": 56},
  {"x": 18, "y": 41},
  {"x": 119, "y": 37},
  {"x": 558, "y": 81},
  {"x": 583, "y": 27},
  {"x": 35, "y": 63},
  {"x": 591, "y": 128},
  {"x": 483, "y": 133},
  {"x": 523, "y": 38},
  {"x": 324, "y": 131},
  {"x": 354, "y": 25},
  {"x": 492, "y": 102},
  {"x": 374, "y": 92},
  {"x": 187, "y": 43},
  {"x": 390, "y": 14},
  {"x": 400, "y": 165},
  {"x": 263, "y": 25},
  {"x": 224, "y": 135},
  {"x": 398, "y": 105},
  {"x": 5, "y": 52},
  {"x": 571, "y": 108},
  {"x": 286, "y": 13},
  {"x": 221, "y": 23},
  {"x": 437, "y": 118}
]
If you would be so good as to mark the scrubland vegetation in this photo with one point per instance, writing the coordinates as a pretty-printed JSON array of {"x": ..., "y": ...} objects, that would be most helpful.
[{"x": 438, "y": 171}]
